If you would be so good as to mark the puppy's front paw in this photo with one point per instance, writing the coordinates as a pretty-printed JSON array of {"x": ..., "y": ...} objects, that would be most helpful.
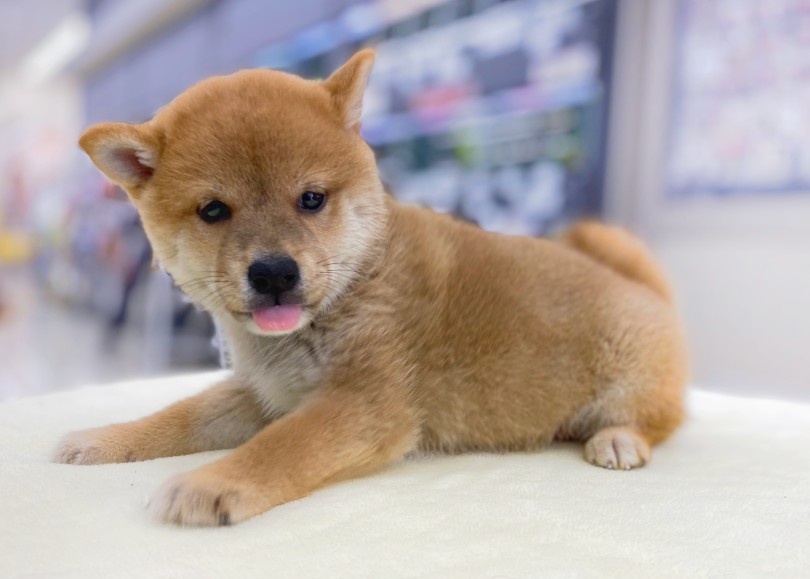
[
  {"x": 205, "y": 498},
  {"x": 95, "y": 446},
  {"x": 617, "y": 448}
]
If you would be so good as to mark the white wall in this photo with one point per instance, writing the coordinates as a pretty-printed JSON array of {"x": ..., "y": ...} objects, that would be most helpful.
[{"x": 740, "y": 266}]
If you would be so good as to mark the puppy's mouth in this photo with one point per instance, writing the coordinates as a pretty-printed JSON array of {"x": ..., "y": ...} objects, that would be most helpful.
[
  {"x": 278, "y": 318},
  {"x": 272, "y": 319}
]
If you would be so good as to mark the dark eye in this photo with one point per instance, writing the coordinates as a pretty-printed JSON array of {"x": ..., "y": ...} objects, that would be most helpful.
[
  {"x": 214, "y": 212},
  {"x": 311, "y": 201}
]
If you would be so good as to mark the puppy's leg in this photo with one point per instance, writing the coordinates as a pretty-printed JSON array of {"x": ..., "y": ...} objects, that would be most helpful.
[
  {"x": 224, "y": 416},
  {"x": 337, "y": 435},
  {"x": 641, "y": 403},
  {"x": 620, "y": 447}
]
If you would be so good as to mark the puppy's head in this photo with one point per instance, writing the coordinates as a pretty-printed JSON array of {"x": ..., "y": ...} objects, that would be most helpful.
[{"x": 256, "y": 191}]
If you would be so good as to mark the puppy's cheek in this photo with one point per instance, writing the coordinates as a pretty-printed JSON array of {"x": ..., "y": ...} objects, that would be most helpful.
[{"x": 319, "y": 292}]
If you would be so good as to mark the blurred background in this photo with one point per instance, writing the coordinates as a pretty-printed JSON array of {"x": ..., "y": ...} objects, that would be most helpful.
[{"x": 685, "y": 120}]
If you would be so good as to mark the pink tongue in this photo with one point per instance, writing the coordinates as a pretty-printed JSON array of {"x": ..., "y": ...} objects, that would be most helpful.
[{"x": 278, "y": 318}]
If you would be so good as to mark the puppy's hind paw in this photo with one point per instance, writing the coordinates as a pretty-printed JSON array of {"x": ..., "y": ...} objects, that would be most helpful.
[{"x": 618, "y": 447}]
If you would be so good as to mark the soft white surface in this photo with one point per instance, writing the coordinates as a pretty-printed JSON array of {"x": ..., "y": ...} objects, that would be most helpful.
[{"x": 729, "y": 495}]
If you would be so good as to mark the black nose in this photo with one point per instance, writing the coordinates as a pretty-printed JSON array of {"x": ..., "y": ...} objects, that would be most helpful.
[{"x": 273, "y": 275}]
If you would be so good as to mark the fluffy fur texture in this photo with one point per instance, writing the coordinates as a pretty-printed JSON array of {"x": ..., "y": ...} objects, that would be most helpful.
[{"x": 418, "y": 332}]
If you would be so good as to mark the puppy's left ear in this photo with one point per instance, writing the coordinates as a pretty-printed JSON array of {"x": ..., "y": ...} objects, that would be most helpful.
[
  {"x": 127, "y": 154},
  {"x": 347, "y": 85}
]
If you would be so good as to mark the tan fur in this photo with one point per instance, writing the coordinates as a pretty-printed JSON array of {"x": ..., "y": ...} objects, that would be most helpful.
[
  {"x": 420, "y": 332},
  {"x": 620, "y": 251}
]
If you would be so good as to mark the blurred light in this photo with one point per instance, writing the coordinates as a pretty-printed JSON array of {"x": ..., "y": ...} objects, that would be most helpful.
[
  {"x": 362, "y": 20},
  {"x": 316, "y": 40},
  {"x": 57, "y": 49}
]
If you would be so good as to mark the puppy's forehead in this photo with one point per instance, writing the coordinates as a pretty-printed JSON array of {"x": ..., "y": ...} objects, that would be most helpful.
[
  {"x": 243, "y": 97},
  {"x": 251, "y": 115}
]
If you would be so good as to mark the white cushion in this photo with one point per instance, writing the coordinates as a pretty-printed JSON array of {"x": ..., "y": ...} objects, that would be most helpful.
[{"x": 729, "y": 494}]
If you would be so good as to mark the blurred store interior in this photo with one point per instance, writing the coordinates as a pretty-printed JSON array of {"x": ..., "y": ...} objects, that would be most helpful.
[{"x": 684, "y": 120}]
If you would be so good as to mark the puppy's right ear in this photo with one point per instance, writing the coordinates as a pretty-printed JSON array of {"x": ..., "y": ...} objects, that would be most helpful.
[
  {"x": 127, "y": 154},
  {"x": 347, "y": 84}
]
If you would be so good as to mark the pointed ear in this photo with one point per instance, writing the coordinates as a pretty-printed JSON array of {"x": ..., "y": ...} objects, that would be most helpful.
[
  {"x": 127, "y": 154},
  {"x": 347, "y": 84}
]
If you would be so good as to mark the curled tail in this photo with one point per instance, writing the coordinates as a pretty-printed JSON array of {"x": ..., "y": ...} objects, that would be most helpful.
[{"x": 620, "y": 251}]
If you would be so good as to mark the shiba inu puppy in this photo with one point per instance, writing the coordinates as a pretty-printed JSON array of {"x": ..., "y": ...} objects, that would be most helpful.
[{"x": 361, "y": 329}]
